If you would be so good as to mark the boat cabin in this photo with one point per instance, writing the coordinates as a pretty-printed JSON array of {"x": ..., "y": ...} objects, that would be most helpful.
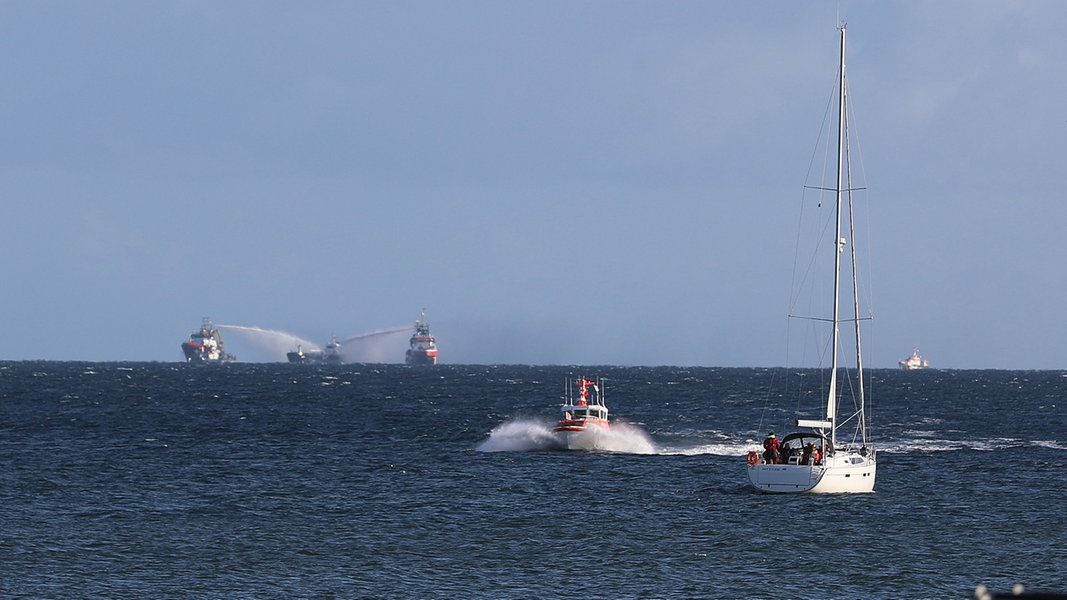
[
  {"x": 804, "y": 448},
  {"x": 589, "y": 411}
]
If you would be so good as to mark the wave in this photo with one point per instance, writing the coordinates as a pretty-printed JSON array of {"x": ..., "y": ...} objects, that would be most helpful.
[{"x": 918, "y": 445}]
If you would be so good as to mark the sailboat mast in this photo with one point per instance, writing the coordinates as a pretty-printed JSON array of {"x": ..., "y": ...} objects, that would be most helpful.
[
  {"x": 855, "y": 295},
  {"x": 831, "y": 400}
]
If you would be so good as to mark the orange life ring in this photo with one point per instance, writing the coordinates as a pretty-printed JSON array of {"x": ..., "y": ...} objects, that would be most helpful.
[{"x": 753, "y": 458}]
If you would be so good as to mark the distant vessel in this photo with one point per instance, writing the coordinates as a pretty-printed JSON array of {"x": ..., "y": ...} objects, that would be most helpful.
[
  {"x": 915, "y": 361},
  {"x": 331, "y": 355},
  {"x": 423, "y": 347},
  {"x": 205, "y": 346},
  {"x": 300, "y": 357},
  {"x": 333, "y": 352},
  {"x": 585, "y": 421},
  {"x": 820, "y": 460}
]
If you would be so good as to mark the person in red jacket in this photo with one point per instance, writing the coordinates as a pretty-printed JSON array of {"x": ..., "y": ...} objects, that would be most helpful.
[{"x": 770, "y": 449}]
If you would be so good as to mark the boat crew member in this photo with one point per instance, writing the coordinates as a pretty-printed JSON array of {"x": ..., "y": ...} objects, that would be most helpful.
[
  {"x": 786, "y": 451},
  {"x": 770, "y": 449}
]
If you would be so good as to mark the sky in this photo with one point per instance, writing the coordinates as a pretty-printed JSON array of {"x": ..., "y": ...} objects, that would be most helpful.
[{"x": 553, "y": 182}]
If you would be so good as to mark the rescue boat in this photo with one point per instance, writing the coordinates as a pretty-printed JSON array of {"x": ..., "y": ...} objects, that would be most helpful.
[
  {"x": 585, "y": 419},
  {"x": 914, "y": 362}
]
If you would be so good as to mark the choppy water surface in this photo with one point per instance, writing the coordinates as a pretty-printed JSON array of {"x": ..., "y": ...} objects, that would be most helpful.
[{"x": 169, "y": 480}]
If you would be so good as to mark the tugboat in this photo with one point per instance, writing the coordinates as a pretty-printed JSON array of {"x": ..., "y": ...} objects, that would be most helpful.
[
  {"x": 331, "y": 355},
  {"x": 915, "y": 361},
  {"x": 205, "y": 346},
  {"x": 585, "y": 422},
  {"x": 423, "y": 346}
]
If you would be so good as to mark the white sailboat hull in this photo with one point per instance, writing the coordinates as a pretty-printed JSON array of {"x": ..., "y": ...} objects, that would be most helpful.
[{"x": 843, "y": 473}]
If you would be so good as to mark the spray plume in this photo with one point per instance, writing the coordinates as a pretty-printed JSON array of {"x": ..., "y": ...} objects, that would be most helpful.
[
  {"x": 276, "y": 342},
  {"x": 377, "y": 346},
  {"x": 373, "y": 334}
]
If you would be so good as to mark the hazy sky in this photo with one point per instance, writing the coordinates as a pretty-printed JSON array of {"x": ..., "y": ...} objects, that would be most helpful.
[{"x": 555, "y": 182}]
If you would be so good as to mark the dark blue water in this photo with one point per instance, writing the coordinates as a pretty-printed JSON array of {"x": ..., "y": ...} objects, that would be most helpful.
[{"x": 248, "y": 481}]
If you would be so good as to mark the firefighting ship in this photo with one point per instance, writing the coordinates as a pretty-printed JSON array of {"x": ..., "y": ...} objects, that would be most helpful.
[
  {"x": 205, "y": 346},
  {"x": 422, "y": 348}
]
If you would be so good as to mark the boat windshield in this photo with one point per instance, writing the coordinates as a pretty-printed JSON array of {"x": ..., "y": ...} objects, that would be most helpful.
[
  {"x": 802, "y": 439},
  {"x": 589, "y": 413}
]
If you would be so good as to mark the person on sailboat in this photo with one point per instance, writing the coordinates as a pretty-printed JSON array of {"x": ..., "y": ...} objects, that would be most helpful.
[
  {"x": 770, "y": 449},
  {"x": 784, "y": 452},
  {"x": 805, "y": 458}
]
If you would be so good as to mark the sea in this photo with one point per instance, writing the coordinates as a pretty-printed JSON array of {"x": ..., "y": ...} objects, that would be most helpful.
[{"x": 170, "y": 480}]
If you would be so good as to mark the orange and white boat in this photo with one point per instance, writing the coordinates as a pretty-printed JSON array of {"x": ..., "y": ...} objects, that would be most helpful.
[
  {"x": 585, "y": 419},
  {"x": 914, "y": 362}
]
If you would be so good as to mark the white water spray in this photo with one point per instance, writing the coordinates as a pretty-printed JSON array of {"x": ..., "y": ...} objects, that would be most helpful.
[
  {"x": 520, "y": 436},
  {"x": 385, "y": 346},
  {"x": 530, "y": 435},
  {"x": 277, "y": 343},
  {"x": 382, "y": 346},
  {"x": 373, "y": 334}
]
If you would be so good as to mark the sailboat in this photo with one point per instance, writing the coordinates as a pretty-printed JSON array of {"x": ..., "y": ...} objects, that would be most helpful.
[{"x": 821, "y": 458}]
